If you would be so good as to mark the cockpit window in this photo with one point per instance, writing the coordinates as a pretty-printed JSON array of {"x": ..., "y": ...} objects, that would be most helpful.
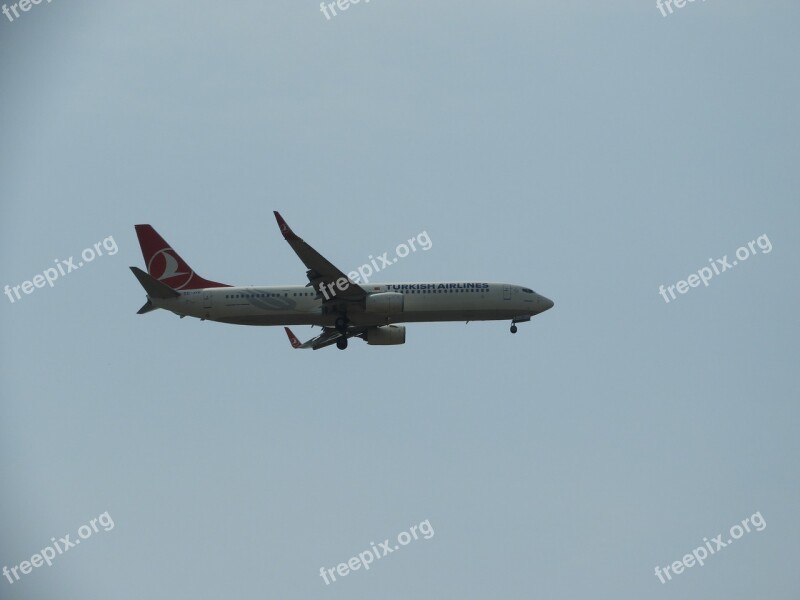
[{"x": 527, "y": 291}]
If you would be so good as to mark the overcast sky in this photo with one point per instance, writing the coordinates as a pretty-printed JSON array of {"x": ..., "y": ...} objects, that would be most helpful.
[{"x": 590, "y": 151}]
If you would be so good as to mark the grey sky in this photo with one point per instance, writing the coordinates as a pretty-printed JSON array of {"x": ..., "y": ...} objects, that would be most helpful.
[{"x": 591, "y": 151}]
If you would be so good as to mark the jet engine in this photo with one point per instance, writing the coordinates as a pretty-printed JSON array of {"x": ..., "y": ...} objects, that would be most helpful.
[
  {"x": 386, "y": 335},
  {"x": 385, "y": 303}
]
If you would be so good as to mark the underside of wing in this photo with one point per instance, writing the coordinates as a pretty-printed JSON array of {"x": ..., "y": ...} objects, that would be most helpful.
[{"x": 328, "y": 337}]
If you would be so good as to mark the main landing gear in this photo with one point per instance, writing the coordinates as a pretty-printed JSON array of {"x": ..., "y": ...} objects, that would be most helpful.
[{"x": 341, "y": 324}]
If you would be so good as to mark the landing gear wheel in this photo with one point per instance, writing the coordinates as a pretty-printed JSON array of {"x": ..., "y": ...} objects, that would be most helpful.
[
  {"x": 341, "y": 324},
  {"x": 341, "y": 343},
  {"x": 513, "y": 329}
]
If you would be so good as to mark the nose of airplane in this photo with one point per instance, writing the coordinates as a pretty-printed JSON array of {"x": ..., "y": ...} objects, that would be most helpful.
[{"x": 547, "y": 304}]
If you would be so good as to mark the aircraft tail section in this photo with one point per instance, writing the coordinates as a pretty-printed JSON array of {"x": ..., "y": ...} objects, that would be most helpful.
[
  {"x": 148, "y": 307},
  {"x": 153, "y": 287},
  {"x": 166, "y": 266}
]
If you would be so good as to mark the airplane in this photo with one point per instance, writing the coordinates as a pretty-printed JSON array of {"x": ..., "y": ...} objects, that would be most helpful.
[{"x": 342, "y": 307}]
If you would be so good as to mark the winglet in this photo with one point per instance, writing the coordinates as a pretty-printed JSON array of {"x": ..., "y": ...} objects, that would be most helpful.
[
  {"x": 292, "y": 337},
  {"x": 287, "y": 232}
]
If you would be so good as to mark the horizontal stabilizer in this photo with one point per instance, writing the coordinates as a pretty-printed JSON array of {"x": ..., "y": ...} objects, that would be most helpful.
[
  {"x": 153, "y": 287},
  {"x": 148, "y": 306}
]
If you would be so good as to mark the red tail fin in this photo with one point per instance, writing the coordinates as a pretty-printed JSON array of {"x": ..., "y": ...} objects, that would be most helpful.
[{"x": 166, "y": 265}]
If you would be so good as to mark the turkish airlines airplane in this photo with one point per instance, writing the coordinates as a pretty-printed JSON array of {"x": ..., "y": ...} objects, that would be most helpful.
[{"x": 343, "y": 308}]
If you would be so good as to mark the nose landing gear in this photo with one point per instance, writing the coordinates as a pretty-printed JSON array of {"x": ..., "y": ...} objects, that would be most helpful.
[{"x": 519, "y": 319}]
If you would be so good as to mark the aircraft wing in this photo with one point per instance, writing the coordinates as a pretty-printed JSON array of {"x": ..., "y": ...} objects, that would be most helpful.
[
  {"x": 320, "y": 271},
  {"x": 326, "y": 338}
]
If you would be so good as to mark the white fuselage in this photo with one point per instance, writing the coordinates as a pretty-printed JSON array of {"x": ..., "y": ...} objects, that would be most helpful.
[{"x": 301, "y": 305}]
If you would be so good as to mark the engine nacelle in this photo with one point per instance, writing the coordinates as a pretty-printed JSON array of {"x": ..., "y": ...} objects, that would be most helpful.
[
  {"x": 385, "y": 303},
  {"x": 386, "y": 335}
]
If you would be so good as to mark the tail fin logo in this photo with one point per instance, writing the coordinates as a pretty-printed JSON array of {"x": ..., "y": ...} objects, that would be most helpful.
[
  {"x": 292, "y": 338},
  {"x": 164, "y": 266}
]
